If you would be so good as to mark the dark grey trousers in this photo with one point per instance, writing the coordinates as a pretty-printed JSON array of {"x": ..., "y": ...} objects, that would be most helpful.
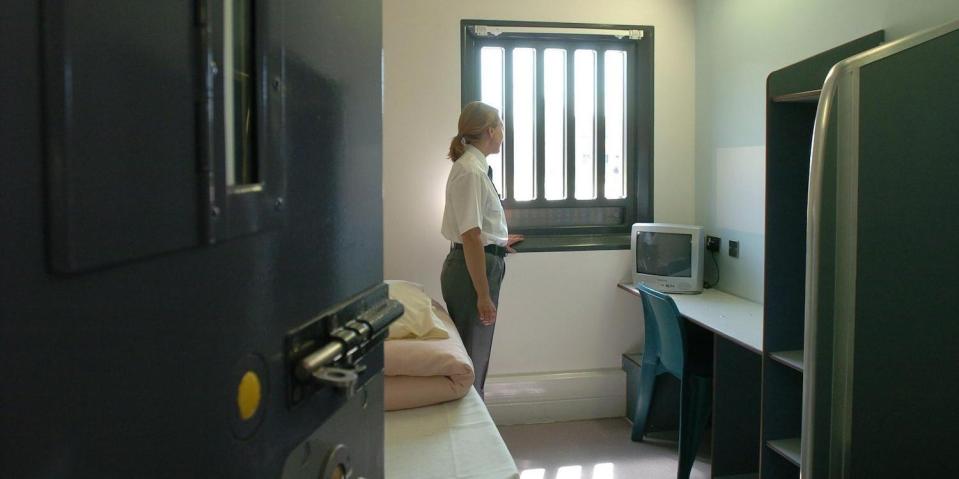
[{"x": 460, "y": 298}]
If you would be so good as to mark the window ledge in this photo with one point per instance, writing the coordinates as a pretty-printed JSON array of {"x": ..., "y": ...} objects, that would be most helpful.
[{"x": 542, "y": 243}]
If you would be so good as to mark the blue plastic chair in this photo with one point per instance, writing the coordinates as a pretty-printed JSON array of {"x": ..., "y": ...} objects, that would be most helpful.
[{"x": 667, "y": 351}]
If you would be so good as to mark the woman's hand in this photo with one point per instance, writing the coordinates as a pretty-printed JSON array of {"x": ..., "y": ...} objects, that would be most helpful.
[
  {"x": 511, "y": 240},
  {"x": 487, "y": 310}
]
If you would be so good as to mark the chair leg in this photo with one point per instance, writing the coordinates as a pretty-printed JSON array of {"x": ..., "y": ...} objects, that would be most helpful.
[
  {"x": 647, "y": 381},
  {"x": 694, "y": 412}
]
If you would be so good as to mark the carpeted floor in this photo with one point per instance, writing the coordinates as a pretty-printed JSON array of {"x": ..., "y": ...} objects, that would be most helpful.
[{"x": 596, "y": 449}]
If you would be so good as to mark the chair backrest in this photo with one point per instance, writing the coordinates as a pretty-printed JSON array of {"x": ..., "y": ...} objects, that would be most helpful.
[{"x": 665, "y": 335}]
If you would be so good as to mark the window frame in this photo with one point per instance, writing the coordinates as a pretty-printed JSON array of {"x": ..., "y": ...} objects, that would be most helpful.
[{"x": 638, "y": 204}]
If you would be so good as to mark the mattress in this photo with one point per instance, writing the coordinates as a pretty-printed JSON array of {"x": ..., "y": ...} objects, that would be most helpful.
[{"x": 452, "y": 440}]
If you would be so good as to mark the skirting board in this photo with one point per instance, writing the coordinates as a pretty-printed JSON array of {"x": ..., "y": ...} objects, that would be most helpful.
[{"x": 556, "y": 397}]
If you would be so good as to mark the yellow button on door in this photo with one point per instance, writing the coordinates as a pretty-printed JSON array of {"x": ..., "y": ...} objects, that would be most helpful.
[{"x": 248, "y": 395}]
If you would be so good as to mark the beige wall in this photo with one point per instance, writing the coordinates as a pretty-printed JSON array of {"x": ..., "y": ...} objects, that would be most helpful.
[{"x": 559, "y": 311}]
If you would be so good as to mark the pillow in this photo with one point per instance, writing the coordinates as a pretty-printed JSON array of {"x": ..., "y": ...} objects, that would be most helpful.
[{"x": 418, "y": 320}]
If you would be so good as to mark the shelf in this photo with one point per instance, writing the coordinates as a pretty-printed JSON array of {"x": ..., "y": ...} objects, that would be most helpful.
[
  {"x": 792, "y": 359},
  {"x": 788, "y": 448},
  {"x": 811, "y": 96}
]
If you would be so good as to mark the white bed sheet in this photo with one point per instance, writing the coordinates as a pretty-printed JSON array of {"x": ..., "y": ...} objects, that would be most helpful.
[{"x": 452, "y": 440}]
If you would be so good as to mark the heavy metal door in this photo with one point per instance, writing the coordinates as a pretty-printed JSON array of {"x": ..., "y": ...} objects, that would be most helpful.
[{"x": 192, "y": 239}]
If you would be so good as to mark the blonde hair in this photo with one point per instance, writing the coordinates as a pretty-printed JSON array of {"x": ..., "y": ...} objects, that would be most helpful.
[{"x": 475, "y": 119}]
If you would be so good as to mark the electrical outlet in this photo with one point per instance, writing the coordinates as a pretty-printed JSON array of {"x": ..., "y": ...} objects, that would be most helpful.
[
  {"x": 712, "y": 243},
  {"x": 734, "y": 249}
]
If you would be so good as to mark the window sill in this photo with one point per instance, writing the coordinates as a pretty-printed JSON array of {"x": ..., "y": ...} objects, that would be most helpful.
[{"x": 543, "y": 243}]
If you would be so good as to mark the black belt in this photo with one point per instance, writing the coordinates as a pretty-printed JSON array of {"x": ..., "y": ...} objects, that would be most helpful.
[{"x": 490, "y": 248}]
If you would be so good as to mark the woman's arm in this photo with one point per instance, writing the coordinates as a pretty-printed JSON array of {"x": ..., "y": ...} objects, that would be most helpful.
[{"x": 476, "y": 265}]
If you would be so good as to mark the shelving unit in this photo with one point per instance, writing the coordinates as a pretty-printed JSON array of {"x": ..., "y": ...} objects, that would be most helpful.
[
  {"x": 792, "y": 94},
  {"x": 788, "y": 448},
  {"x": 811, "y": 96},
  {"x": 792, "y": 359}
]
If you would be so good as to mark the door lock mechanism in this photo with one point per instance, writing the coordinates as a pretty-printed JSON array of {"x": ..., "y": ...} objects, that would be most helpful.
[
  {"x": 327, "y": 351},
  {"x": 344, "y": 379},
  {"x": 337, "y": 364}
]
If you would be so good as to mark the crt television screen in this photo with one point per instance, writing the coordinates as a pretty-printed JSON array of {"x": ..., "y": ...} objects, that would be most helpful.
[{"x": 664, "y": 254}]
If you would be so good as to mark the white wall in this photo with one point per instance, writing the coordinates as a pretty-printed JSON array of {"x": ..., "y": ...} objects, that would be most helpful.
[
  {"x": 558, "y": 311},
  {"x": 738, "y": 43}
]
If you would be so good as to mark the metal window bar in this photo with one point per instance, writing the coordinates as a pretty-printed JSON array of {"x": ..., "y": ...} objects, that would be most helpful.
[
  {"x": 539, "y": 170},
  {"x": 600, "y": 122},
  {"x": 508, "y": 188},
  {"x": 639, "y": 118},
  {"x": 570, "y": 125},
  {"x": 587, "y": 49}
]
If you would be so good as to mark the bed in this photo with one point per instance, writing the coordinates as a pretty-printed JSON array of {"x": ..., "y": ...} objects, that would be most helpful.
[
  {"x": 451, "y": 440},
  {"x": 437, "y": 427}
]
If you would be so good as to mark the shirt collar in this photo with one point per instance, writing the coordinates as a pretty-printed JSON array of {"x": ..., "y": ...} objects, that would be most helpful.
[{"x": 476, "y": 158}]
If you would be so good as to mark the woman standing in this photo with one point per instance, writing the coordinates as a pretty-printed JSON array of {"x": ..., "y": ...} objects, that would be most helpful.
[{"x": 475, "y": 224}]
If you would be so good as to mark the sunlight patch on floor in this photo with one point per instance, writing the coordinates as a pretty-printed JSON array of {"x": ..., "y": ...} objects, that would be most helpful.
[
  {"x": 570, "y": 472},
  {"x": 603, "y": 471},
  {"x": 533, "y": 474},
  {"x": 600, "y": 471}
]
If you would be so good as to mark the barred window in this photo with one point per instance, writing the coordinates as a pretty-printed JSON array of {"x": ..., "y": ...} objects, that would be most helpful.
[{"x": 575, "y": 170}]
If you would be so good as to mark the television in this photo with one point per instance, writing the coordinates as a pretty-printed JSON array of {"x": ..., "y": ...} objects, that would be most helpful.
[{"x": 668, "y": 257}]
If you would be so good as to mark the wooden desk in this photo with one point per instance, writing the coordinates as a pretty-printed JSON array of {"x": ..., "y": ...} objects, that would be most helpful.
[{"x": 737, "y": 328}]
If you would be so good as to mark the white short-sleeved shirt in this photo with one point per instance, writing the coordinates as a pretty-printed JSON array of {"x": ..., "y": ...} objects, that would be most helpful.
[{"x": 472, "y": 201}]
